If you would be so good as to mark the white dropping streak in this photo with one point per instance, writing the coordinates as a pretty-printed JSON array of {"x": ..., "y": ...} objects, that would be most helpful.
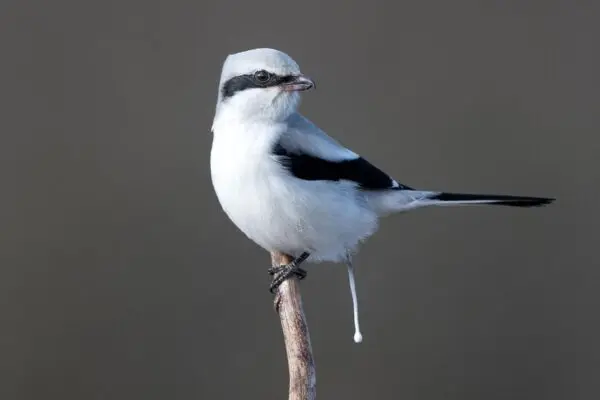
[{"x": 357, "y": 335}]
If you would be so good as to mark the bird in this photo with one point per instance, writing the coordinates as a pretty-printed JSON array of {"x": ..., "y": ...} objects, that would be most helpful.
[{"x": 290, "y": 187}]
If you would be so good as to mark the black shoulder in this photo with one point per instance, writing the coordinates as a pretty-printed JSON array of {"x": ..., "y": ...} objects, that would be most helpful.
[{"x": 311, "y": 168}]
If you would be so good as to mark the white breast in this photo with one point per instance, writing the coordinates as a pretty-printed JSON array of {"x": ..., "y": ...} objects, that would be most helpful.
[{"x": 241, "y": 175}]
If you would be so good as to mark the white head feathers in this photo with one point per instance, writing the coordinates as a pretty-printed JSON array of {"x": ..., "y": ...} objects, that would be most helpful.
[{"x": 242, "y": 95}]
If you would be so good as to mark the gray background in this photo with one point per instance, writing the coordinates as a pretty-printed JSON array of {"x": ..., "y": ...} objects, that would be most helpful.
[{"x": 121, "y": 278}]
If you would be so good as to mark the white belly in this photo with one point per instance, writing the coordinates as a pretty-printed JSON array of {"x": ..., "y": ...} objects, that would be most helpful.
[{"x": 282, "y": 213}]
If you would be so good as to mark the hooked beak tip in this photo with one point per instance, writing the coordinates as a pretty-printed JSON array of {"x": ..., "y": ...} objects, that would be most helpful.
[{"x": 299, "y": 83}]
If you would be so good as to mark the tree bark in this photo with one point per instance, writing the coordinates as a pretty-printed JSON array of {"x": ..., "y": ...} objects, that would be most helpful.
[{"x": 301, "y": 365}]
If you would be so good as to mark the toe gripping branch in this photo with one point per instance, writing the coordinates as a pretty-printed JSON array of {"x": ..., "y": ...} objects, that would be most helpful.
[{"x": 283, "y": 272}]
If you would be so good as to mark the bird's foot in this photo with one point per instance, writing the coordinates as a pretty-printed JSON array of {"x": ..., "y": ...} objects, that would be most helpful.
[{"x": 283, "y": 272}]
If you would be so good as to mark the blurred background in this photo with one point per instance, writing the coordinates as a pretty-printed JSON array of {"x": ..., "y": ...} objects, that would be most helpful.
[{"x": 121, "y": 278}]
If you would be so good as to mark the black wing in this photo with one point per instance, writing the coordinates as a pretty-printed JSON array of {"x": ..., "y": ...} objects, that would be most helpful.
[{"x": 308, "y": 167}]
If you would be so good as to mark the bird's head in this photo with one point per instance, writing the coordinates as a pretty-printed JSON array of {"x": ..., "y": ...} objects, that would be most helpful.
[{"x": 260, "y": 84}]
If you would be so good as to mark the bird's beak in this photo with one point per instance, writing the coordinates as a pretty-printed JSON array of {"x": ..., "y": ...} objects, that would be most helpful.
[{"x": 299, "y": 83}]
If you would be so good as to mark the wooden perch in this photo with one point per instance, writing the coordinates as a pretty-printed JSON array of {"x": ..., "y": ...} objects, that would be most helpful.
[{"x": 301, "y": 365}]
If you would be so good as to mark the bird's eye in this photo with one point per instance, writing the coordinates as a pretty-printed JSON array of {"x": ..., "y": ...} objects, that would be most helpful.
[{"x": 262, "y": 76}]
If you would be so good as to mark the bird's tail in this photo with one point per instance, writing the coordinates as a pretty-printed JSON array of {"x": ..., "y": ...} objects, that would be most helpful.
[
  {"x": 408, "y": 199},
  {"x": 445, "y": 198}
]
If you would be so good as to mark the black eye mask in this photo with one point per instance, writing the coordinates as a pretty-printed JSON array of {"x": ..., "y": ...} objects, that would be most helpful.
[{"x": 252, "y": 81}]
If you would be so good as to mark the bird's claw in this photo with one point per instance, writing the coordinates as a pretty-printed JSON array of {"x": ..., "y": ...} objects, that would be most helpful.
[{"x": 282, "y": 272}]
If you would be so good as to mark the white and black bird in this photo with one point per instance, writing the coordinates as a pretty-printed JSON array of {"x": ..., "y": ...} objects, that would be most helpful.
[{"x": 289, "y": 186}]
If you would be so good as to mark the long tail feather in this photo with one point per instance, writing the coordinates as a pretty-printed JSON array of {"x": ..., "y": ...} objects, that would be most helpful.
[
  {"x": 408, "y": 199},
  {"x": 492, "y": 199}
]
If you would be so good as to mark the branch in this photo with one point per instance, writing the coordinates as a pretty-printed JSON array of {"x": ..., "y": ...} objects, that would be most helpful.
[{"x": 301, "y": 365}]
